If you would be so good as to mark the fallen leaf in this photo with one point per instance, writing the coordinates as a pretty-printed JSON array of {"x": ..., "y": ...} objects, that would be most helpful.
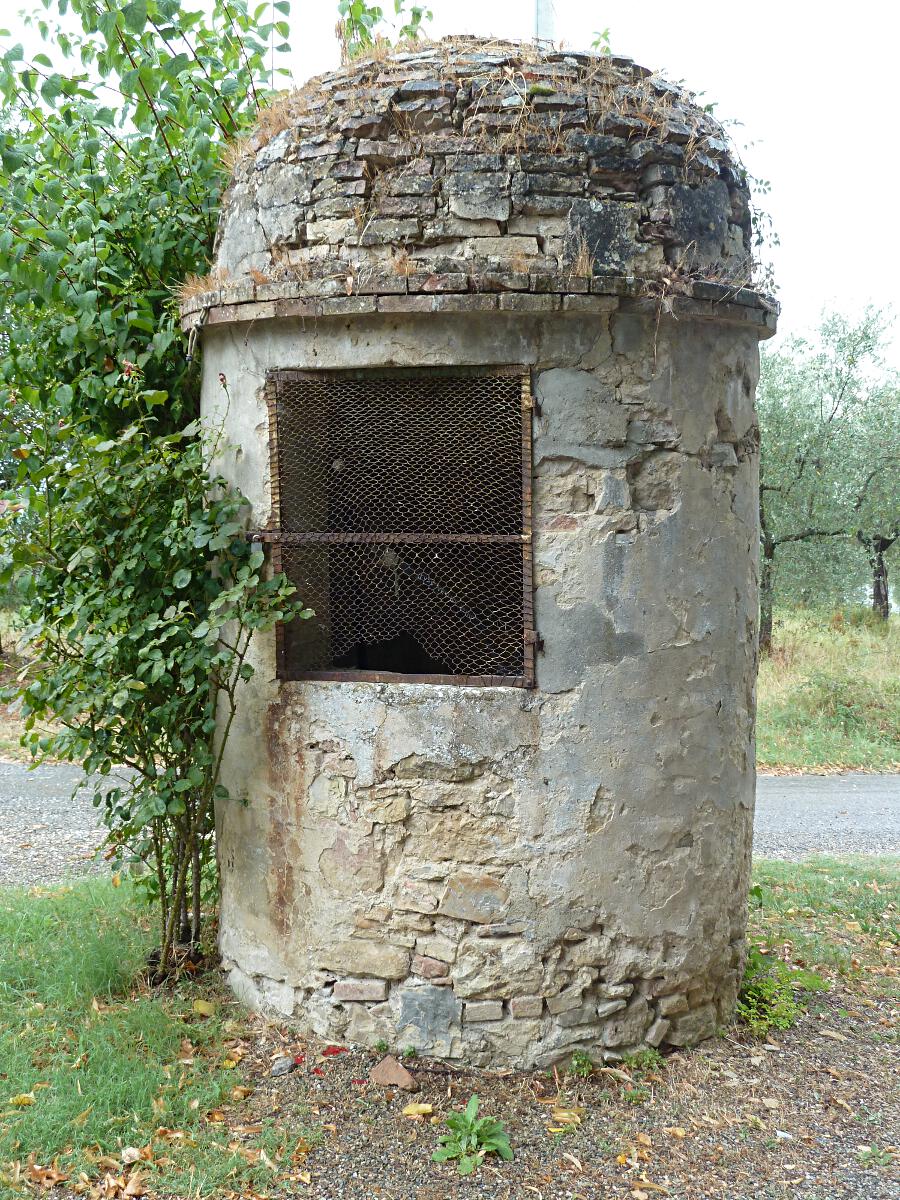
[
  {"x": 643, "y": 1139},
  {"x": 676, "y": 1131},
  {"x": 241, "y": 1093},
  {"x": 82, "y": 1117},
  {"x": 417, "y": 1110},
  {"x": 130, "y": 1155},
  {"x": 567, "y": 1116},
  {"x": 203, "y": 1008},
  {"x": 769, "y": 1103},
  {"x": 46, "y": 1177},
  {"x": 135, "y": 1185},
  {"x": 23, "y": 1100},
  {"x": 329, "y": 1051}
]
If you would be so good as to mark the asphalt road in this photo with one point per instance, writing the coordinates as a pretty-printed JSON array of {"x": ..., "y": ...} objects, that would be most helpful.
[
  {"x": 48, "y": 834},
  {"x": 799, "y": 815}
]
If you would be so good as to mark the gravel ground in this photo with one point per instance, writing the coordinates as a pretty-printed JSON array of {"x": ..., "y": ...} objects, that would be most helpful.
[
  {"x": 799, "y": 815},
  {"x": 735, "y": 1119},
  {"x": 48, "y": 834}
]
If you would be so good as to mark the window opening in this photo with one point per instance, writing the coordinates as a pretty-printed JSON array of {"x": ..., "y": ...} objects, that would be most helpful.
[{"x": 402, "y": 509}]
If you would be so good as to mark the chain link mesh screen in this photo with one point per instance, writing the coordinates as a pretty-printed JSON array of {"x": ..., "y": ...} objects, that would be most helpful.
[{"x": 403, "y": 509}]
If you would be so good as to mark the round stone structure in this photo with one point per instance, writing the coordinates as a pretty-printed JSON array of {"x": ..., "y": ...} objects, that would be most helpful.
[{"x": 507, "y": 824}]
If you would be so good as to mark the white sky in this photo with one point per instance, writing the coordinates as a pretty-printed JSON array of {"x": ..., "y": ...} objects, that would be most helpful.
[{"x": 812, "y": 84}]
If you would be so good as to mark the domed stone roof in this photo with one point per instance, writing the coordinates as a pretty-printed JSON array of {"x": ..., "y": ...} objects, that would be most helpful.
[{"x": 479, "y": 169}]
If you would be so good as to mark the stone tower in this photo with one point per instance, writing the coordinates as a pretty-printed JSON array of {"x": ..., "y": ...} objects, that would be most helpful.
[{"x": 485, "y": 317}]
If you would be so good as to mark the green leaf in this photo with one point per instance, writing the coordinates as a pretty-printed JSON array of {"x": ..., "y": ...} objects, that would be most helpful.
[
  {"x": 134, "y": 16},
  {"x": 181, "y": 578}
]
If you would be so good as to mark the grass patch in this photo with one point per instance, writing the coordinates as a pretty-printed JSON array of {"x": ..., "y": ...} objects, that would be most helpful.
[
  {"x": 92, "y": 1062},
  {"x": 829, "y": 696},
  {"x": 842, "y": 914}
]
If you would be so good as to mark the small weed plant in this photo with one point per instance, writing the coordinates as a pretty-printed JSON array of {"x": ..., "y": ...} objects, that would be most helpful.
[
  {"x": 581, "y": 1064},
  {"x": 873, "y": 1156},
  {"x": 472, "y": 1137},
  {"x": 641, "y": 1062},
  {"x": 768, "y": 998}
]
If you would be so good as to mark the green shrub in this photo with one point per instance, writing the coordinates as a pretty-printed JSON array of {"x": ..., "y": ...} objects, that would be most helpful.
[
  {"x": 768, "y": 997},
  {"x": 642, "y": 1061}
]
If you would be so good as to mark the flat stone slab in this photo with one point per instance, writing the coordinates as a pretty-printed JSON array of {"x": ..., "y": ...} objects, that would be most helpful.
[{"x": 391, "y": 1073}]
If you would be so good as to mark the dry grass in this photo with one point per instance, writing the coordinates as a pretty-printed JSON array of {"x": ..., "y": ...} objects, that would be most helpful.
[
  {"x": 197, "y": 285},
  {"x": 12, "y": 727},
  {"x": 234, "y": 151},
  {"x": 829, "y": 696},
  {"x": 583, "y": 260}
]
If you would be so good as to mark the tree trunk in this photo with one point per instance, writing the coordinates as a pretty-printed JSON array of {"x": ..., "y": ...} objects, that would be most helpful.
[
  {"x": 766, "y": 596},
  {"x": 195, "y": 897},
  {"x": 881, "y": 603}
]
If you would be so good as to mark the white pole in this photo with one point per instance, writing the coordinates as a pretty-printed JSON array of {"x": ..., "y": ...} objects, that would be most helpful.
[{"x": 543, "y": 20}]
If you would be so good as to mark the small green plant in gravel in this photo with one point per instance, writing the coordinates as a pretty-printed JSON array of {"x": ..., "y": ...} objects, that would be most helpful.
[
  {"x": 768, "y": 997},
  {"x": 472, "y": 1137},
  {"x": 410, "y": 1052},
  {"x": 643, "y": 1061},
  {"x": 580, "y": 1064},
  {"x": 381, "y": 1046},
  {"x": 873, "y": 1156}
]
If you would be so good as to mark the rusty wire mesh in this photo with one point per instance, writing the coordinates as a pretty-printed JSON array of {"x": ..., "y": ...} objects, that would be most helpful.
[{"x": 403, "y": 518}]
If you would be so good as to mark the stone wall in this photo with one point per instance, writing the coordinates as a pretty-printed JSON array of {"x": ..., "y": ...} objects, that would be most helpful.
[{"x": 496, "y": 874}]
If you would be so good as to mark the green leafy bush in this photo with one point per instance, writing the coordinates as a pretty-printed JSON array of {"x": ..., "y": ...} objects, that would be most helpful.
[
  {"x": 111, "y": 168},
  {"x": 768, "y": 996},
  {"x": 143, "y": 595},
  {"x": 472, "y": 1137},
  {"x": 361, "y": 25}
]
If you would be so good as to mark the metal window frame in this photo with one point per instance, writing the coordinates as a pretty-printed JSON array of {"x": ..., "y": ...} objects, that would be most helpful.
[{"x": 274, "y": 535}]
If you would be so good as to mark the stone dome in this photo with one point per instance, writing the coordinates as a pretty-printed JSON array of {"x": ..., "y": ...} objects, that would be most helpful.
[{"x": 474, "y": 166}]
